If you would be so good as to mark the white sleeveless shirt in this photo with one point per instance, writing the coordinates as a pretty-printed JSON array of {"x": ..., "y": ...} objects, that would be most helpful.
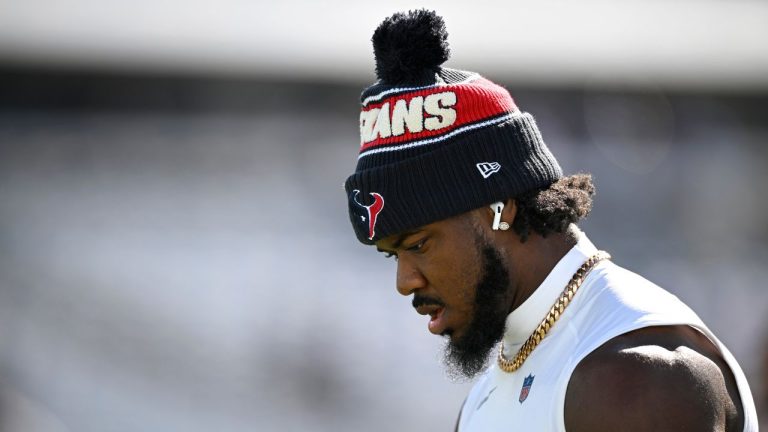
[{"x": 611, "y": 301}]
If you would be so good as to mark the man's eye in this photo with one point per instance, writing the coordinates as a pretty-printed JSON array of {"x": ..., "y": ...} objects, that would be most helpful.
[{"x": 417, "y": 246}]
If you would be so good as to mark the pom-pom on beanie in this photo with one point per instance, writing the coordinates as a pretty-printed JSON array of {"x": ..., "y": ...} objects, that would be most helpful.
[{"x": 436, "y": 142}]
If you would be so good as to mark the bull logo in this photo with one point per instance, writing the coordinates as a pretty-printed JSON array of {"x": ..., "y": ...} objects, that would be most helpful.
[{"x": 371, "y": 211}]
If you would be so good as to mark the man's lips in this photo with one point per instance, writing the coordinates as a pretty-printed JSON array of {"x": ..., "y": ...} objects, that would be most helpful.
[{"x": 436, "y": 323}]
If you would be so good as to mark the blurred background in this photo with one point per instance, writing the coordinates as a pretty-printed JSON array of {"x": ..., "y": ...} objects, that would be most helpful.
[{"x": 175, "y": 253}]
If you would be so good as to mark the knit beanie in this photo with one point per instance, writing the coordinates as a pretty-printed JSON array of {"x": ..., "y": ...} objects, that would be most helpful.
[{"x": 436, "y": 142}]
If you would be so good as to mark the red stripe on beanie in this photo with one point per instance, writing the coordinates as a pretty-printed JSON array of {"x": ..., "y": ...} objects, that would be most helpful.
[{"x": 430, "y": 112}]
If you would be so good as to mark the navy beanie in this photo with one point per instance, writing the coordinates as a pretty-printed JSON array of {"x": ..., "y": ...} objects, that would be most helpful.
[{"x": 436, "y": 142}]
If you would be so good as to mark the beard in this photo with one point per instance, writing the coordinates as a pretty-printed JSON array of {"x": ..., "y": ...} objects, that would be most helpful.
[{"x": 468, "y": 355}]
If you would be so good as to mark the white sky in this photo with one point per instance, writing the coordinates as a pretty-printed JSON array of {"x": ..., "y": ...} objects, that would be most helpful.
[{"x": 681, "y": 43}]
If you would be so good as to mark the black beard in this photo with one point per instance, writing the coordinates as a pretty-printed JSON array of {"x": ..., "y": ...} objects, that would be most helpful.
[{"x": 469, "y": 354}]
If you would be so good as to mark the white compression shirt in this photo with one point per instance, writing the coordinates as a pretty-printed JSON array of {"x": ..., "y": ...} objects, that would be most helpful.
[{"x": 611, "y": 301}]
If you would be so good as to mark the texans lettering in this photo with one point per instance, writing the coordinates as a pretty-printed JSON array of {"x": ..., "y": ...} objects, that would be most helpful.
[{"x": 413, "y": 115}]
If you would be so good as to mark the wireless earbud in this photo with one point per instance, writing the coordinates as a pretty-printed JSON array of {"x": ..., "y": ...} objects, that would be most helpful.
[{"x": 497, "y": 207}]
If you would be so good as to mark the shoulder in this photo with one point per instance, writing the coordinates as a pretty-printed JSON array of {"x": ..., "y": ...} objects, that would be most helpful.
[{"x": 664, "y": 378}]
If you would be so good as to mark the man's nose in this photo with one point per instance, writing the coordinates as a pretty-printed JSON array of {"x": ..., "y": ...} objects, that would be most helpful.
[{"x": 409, "y": 278}]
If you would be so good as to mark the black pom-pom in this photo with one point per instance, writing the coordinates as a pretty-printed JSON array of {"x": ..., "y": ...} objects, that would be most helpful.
[{"x": 410, "y": 47}]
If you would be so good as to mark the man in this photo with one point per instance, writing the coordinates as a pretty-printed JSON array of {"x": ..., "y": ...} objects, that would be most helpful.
[{"x": 456, "y": 183}]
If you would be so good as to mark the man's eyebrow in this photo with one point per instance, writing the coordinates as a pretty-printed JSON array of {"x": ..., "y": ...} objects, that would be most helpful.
[{"x": 399, "y": 240}]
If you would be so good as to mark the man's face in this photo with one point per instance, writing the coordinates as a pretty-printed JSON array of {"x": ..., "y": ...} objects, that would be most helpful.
[{"x": 459, "y": 279}]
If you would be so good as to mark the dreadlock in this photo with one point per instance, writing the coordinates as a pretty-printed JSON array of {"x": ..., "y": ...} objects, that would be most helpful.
[{"x": 555, "y": 207}]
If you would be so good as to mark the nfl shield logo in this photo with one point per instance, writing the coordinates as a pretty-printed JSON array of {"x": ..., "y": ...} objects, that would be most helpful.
[{"x": 527, "y": 383}]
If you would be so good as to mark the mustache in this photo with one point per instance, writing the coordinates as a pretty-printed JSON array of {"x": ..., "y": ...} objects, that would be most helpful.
[{"x": 419, "y": 300}]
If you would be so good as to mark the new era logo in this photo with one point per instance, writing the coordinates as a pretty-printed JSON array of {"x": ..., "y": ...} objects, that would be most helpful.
[{"x": 488, "y": 168}]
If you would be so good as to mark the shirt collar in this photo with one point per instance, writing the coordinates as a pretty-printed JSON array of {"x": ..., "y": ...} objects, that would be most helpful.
[{"x": 522, "y": 321}]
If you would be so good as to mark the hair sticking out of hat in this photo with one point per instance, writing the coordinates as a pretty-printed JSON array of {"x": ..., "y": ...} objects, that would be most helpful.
[{"x": 410, "y": 47}]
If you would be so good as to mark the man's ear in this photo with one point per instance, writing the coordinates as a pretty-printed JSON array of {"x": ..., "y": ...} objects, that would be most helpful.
[
  {"x": 510, "y": 211},
  {"x": 502, "y": 214}
]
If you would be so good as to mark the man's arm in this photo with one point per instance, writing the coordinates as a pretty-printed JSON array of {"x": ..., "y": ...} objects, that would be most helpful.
[{"x": 655, "y": 379}]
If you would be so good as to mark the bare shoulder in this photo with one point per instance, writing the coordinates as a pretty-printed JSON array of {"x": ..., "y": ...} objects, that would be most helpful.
[{"x": 668, "y": 378}]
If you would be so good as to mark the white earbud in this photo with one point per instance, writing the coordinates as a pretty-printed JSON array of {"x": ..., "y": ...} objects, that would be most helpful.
[{"x": 497, "y": 207}]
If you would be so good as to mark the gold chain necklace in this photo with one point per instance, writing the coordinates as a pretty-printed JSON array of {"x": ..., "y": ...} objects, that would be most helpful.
[{"x": 554, "y": 313}]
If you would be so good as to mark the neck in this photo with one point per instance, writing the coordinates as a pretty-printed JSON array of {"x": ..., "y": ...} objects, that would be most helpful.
[{"x": 531, "y": 261}]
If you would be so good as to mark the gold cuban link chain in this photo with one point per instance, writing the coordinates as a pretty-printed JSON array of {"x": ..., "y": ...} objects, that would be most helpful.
[{"x": 557, "y": 309}]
